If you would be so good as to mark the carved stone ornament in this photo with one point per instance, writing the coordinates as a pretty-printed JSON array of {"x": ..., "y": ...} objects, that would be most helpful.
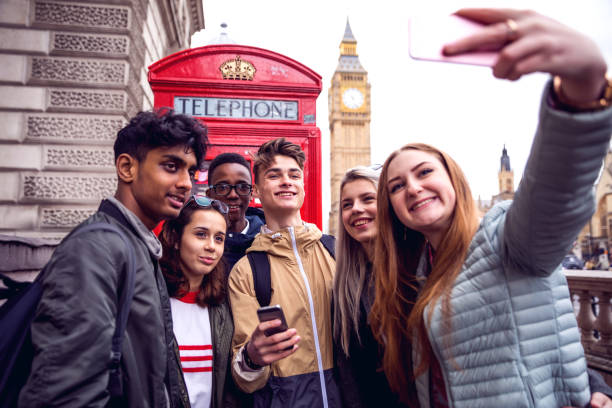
[
  {"x": 61, "y": 128},
  {"x": 82, "y": 15},
  {"x": 84, "y": 99},
  {"x": 64, "y": 217},
  {"x": 78, "y": 158},
  {"x": 90, "y": 43},
  {"x": 80, "y": 188},
  {"x": 87, "y": 71},
  {"x": 237, "y": 69}
]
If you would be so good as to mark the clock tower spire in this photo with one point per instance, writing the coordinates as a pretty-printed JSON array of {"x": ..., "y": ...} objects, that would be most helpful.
[
  {"x": 349, "y": 118},
  {"x": 505, "y": 175}
]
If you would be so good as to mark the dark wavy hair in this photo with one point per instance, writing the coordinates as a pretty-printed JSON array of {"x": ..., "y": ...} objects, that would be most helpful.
[
  {"x": 212, "y": 290},
  {"x": 161, "y": 128}
]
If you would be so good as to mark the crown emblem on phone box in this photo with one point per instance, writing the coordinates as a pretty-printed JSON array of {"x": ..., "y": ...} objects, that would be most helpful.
[{"x": 237, "y": 69}]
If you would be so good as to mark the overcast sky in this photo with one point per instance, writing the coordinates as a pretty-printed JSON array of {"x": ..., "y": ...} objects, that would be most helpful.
[{"x": 460, "y": 109}]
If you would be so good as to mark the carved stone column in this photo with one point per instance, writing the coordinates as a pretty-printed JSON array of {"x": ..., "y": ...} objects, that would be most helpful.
[
  {"x": 586, "y": 285},
  {"x": 586, "y": 320},
  {"x": 603, "y": 323}
]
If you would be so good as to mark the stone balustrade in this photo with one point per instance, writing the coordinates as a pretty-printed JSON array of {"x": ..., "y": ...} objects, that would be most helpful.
[{"x": 591, "y": 292}]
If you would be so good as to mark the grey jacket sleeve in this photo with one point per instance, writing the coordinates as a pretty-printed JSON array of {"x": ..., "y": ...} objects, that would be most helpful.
[
  {"x": 555, "y": 197},
  {"x": 74, "y": 324},
  {"x": 597, "y": 383}
]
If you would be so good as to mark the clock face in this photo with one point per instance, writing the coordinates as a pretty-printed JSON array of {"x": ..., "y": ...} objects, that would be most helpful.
[{"x": 352, "y": 98}]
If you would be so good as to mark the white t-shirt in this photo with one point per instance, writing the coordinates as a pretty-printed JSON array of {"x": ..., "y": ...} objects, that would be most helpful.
[{"x": 192, "y": 331}]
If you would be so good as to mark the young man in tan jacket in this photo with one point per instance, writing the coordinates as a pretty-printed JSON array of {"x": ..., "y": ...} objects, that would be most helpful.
[{"x": 294, "y": 367}]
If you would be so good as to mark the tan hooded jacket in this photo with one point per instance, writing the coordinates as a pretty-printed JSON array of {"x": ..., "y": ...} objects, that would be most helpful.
[{"x": 294, "y": 253}]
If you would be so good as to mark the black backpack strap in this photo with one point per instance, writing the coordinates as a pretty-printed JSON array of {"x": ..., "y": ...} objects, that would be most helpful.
[
  {"x": 12, "y": 288},
  {"x": 329, "y": 242},
  {"x": 260, "y": 267},
  {"x": 115, "y": 383}
]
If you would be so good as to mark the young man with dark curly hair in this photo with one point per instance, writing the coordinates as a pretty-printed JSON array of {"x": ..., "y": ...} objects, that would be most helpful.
[{"x": 156, "y": 155}]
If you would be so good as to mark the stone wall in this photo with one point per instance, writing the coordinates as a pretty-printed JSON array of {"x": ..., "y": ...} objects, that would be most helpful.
[{"x": 71, "y": 74}]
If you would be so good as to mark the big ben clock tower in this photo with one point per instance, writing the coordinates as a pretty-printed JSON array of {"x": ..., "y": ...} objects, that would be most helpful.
[{"x": 349, "y": 118}]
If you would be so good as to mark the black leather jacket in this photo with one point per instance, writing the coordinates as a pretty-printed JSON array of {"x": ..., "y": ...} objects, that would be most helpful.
[{"x": 75, "y": 321}]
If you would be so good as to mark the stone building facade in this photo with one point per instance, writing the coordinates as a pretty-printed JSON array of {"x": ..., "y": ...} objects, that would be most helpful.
[
  {"x": 71, "y": 74},
  {"x": 349, "y": 119},
  {"x": 595, "y": 238}
]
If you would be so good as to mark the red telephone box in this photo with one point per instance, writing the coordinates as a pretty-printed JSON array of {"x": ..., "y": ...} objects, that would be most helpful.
[{"x": 246, "y": 96}]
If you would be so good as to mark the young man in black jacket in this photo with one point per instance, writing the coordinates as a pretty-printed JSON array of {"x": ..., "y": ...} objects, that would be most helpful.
[
  {"x": 156, "y": 155},
  {"x": 230, "y": 181}
]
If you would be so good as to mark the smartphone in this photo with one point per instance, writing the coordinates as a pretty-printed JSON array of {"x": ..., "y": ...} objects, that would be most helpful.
[
  {"x": 268, "y": 313},
  {"x": 429, "y": 34}
]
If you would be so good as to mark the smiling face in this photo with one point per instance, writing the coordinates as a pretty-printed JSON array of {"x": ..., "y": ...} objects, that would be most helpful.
[
  {"x": 232, "y": 174},
  {"x": 421, "y": 193},
  {"x": 280, "y": 187},
  {"x": 161, "y": 183},
  {"x": 358, "y": 206},
  {"x": 201, "y": 245}
]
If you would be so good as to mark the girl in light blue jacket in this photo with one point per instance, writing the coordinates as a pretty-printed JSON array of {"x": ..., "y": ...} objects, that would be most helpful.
[{"x": 478, "y": 311}]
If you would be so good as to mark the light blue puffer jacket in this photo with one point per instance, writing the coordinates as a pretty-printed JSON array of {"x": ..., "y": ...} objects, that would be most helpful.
[{"x": 514, "y": 340}]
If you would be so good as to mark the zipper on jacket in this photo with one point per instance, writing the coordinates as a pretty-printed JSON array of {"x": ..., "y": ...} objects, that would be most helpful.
[
  {"x": 522, "y": 371},
  {"x": 436, "y": 355},
  {"x": 526, "y": 383},
  {"x": 313, "y": 318}
]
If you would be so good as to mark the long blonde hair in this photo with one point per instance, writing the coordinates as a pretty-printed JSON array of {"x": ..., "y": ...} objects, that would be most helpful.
[
  {"x": 351, "y": 269},
  {"x": 397, "y": 315}
]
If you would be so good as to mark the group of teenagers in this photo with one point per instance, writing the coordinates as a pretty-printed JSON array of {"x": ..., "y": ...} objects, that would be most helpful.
[{"x": 422, "y": 304}]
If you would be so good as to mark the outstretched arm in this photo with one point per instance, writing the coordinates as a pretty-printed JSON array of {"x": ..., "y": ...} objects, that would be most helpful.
[{"x": 554, "y": 200}]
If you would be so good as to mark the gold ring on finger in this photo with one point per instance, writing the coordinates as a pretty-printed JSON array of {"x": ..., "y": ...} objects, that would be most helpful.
[{"x": 511, "y": 30}]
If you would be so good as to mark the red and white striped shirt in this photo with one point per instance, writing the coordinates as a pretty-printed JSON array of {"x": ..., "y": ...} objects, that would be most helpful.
[{"x": 192, "y": 330}]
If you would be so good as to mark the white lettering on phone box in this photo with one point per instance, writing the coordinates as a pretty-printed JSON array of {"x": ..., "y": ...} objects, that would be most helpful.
[{"x": 229, "y": 108}]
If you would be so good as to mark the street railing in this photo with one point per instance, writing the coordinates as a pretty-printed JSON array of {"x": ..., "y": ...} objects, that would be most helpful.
[{"x": 591, "y": 292}]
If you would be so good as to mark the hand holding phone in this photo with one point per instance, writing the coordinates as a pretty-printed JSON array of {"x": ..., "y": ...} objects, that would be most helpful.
[
  {"x": 262, "y": 349},
  {"x": 429, "y": 34},
  {"x": 274, "y": 312}
]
